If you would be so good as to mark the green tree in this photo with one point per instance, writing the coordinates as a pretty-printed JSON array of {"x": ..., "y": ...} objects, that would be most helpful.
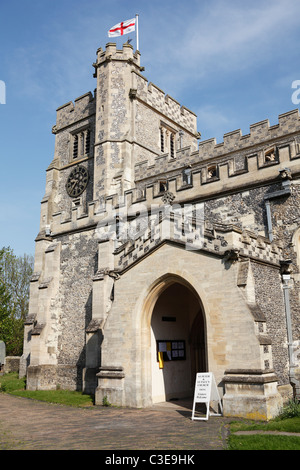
[
  {"x": 15, "y": 275},
  {"x": 6, "y": 327}
]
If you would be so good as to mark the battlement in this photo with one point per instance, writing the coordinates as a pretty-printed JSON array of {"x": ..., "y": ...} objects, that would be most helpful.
[
  {"x": 152, "y": 96},
  {"x": 187, "y": 227},
  {"x": 145, "y": 92},
  {"x": 260, "y": 133},
  {"x": 69, "y": 113},
  {"x": 202, "y": 186},
  {"x": 225, "y": 241},
  {"x": 112, "y": 53},
  {"x": 264, "y": 148}
]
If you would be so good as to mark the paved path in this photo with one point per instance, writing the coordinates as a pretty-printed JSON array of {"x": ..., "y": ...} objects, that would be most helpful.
[{"x": 31, "y": 425}]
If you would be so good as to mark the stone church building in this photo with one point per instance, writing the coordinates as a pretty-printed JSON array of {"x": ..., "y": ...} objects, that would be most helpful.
[{"x": 160, "y": 255}]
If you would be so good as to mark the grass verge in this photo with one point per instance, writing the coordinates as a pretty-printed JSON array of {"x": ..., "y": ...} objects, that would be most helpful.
[
  {"x": 10, "y": 383},
  {"x": 263, "y": 442},
  {"x": 287, "y": 422}
]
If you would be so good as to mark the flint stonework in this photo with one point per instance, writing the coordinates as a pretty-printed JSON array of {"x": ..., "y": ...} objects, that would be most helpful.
[{"x": 168, "y": 226}]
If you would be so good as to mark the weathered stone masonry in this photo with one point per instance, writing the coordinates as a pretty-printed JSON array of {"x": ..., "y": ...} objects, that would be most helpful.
[{"x": 115, "y": 237}]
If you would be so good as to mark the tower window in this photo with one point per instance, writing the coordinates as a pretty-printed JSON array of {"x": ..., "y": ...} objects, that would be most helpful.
[
  {"x": 212, "y": 172},
  {"x": 81, "y": 142},
  {"x": 271, "y": 155},
  {"x": 87, "y": 142},
  {"x": 187, "y": 176},
  {"x": 75, "y": 146},
  {"x": 167, "y": 139},
  {"x": 172, "y": 152},
  {"x": 163, "y": 186},
  {"x": 162, "y": 140}
]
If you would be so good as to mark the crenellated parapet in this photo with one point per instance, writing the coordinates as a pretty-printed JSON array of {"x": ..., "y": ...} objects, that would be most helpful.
[
  {"x": 224, "y": 241},
  {"x": 158, "y": 187},
  {"x": 261, "y": 134},
  {"x": 136, "y": 230},
  {"x": 260, "y": 155},
  {"x": 112, "y": 53},
  {"x": 142, "y": 90},
  {"x": 152, "y": 96},
  {"x": 120, "y": 145},
  {"x": 83, "y": 107}
]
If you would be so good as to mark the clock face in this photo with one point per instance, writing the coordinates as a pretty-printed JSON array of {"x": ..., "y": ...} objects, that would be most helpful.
[{"x": 77, "y": 181}]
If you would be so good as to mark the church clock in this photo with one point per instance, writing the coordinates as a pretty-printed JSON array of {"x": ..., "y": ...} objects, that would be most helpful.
[{"x": 77, "y": 181}]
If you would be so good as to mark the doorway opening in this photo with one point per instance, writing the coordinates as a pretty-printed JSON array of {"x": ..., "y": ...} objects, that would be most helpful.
[{"x": 178, "y": 342}]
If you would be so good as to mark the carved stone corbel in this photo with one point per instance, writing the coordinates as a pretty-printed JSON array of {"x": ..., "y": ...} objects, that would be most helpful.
[
  {"x": 106, "y": 272},
  {"x": 168, "y": 197},
  {"x": 232, "y": 255}
]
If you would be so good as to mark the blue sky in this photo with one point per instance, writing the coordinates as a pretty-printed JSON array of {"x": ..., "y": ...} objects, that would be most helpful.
[{"x": 232, "y": 62}]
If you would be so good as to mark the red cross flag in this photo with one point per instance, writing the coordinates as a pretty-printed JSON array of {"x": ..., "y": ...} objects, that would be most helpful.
[{"x": 124, "y": 27}]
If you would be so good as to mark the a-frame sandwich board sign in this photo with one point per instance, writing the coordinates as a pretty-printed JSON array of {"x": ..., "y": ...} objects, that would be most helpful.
[{"x": 206, "y": 391}]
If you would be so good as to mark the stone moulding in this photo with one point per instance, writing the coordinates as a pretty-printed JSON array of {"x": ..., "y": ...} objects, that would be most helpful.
[
  {"x": 251, "y": 394},
  {"x": 37, "y": 329},
  {"x": 246, "y": 376},
  {"x": 30, "y": 319},
  {"x": 35, "y": 277},
  {"x": 110, "y": 385},
  {"x": 45, "y": 284},
  {"x": 112, "y": 372},
  {"x": 106, "y": 272}
]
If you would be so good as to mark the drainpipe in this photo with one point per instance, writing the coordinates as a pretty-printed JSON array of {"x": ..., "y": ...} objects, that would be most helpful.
[
  {"x": 286, "y": 293},
  {"x": 269, "y": 220}
]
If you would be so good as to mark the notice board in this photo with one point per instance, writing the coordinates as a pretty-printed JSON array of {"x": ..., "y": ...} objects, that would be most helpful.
[
  {"x": 206, "y": 391},
  {"x": 171, "y": 350}
]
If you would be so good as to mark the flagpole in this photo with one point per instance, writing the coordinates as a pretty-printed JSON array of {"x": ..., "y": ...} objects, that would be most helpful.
[{"x": 137, "y": 32}]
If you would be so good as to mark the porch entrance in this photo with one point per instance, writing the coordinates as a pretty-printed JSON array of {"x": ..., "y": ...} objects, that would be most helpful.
[{"x": 178, "y": 343}]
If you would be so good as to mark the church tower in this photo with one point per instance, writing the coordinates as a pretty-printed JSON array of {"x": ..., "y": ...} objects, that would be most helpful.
[
  {"x": 101, "y": 140},
  {"x": 115, "y": 116}
]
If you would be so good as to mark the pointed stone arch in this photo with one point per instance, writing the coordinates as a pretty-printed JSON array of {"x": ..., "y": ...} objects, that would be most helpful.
[{"x": 171, "y": 309}]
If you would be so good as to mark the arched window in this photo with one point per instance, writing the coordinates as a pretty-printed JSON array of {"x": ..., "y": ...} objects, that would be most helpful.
[
  {"x": 163, "y": 186},
  {"x": 75, "y": 146},
  {"x": 167, "y": 139},
  {"x": 81, "y": 142},
  {"x": 162, "y": 140},
  {"x": 172, "y": 151},
  {"x": 187, "y": 176},
  {"x": 87, "y": 142}
]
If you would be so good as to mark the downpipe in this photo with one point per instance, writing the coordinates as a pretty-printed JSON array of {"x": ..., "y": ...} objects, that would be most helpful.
[{"x": 293, "y": 380}]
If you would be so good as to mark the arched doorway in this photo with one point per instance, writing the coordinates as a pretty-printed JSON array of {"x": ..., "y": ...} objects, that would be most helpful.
[{"x": 178, "y": 341}]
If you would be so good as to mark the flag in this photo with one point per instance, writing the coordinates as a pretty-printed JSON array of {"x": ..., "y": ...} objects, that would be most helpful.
[{"x": 124, "y": 27}]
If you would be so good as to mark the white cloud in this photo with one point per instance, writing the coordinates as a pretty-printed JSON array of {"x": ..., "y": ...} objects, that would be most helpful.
[
  {"x": 190, "y": 42},
  {"x": 225, "y": 37}
]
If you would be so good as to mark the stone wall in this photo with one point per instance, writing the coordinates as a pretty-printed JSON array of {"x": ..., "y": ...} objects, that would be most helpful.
[
  {"x": 78, "y": 266},
  {"x": 269, "y": 297},
  {"x": 12, "y": 364}
]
